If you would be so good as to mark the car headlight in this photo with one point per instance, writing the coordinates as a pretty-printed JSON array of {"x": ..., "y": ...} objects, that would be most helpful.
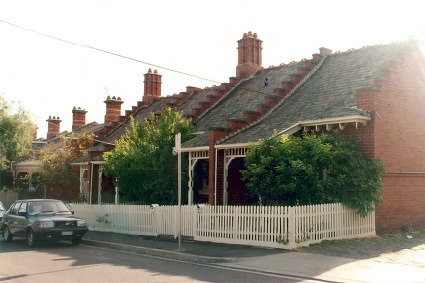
[
  {"x": 47, "y": 224},
  {"x": 81, "y": 223}
]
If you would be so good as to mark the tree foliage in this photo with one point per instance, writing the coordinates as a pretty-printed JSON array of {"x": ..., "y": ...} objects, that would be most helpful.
[
  {"x": 313, "y": 169},
  {"x": 16, "y": 131},
  {"x": 56, "y": 158},
  {"x": 142, "y": 162}
]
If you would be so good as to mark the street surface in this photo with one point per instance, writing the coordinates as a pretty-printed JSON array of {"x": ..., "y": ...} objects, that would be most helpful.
[{"x": 61, "y": 262}]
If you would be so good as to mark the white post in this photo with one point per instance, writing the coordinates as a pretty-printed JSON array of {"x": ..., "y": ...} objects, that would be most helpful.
[
  {"x": 82, "y": 181},
  {"x": 179, "y": 181},
  {"x": 99, "y": 186},
  {"x": 117, "y": 190}
]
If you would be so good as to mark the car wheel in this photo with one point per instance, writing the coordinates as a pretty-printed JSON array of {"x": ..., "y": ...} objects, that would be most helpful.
[
  {"x": 76, "y": 242},
  {"x": 31, "y": 238},
  {"x": 6, "y": 234}
]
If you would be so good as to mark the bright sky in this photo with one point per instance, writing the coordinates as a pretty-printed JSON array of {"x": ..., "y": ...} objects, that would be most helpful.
[{"x": 50, "y": 77}]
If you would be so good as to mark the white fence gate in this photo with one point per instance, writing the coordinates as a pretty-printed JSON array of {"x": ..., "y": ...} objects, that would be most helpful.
[{"x": 268, "y": 226}]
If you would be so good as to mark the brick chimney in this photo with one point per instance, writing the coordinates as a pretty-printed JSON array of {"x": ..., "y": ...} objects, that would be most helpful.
[
  {"x": 53, "y": 126},
  {"x": 152, "y": 88},
  {"x": 34, "y": 137},
  {"x": 78, "y": 118},
  {"x": 249, "y": 55},
  {"x": 113, "y": 109}
]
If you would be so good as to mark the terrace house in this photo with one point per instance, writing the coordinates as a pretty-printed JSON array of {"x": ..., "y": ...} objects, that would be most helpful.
[{"x": 375, "y": 94}]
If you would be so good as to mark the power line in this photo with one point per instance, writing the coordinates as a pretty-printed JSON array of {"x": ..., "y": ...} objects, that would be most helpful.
[
  {"x": 137, "y": 60},
  {"x": 107, "y": 52},
  {"x": 147, "y": 63}
]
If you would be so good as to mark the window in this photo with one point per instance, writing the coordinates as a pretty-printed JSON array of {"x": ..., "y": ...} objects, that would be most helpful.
[
  {"x": 23, "y": 208},
  {"x": 15, "y": 208}
]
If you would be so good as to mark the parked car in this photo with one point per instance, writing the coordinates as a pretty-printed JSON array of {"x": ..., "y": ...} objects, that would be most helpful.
[
  {"x": 2, "y": 211},
  {"x": 42, "y": 220}
]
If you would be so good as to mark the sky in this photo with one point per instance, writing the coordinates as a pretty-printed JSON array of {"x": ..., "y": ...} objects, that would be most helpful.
[{"x": 56, "y": 55}]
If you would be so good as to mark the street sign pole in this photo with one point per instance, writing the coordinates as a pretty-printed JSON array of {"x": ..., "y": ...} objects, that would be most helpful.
[{"x": 179, "y": 180}]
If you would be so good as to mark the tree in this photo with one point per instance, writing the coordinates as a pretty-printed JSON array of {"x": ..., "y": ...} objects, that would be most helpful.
[
  {"x": 16, "y": 131},
  {"x": 143, "y": 164},
  {"x": 56, "y": 158},
  {"x": 312, "y": 170}
]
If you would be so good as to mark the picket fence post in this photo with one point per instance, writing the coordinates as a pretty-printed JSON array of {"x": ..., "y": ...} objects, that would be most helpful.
[{"x": 291, "y": 225}]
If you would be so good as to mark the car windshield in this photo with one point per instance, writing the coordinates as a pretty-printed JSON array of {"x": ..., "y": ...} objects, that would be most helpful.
[
  {"x": 50, "y": 207},
  {"x": 1, "y": 207}
]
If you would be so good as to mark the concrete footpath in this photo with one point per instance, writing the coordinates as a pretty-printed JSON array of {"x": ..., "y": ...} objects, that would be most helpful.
[{"x": 297, "y": 264}]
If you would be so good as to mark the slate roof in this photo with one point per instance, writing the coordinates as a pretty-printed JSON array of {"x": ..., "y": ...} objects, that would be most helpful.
[
  {"x": 193, "y": 100},
  {"x": 83, "y": 159},
  {"x": 141, "y": 114},
  {"x": 56, "y": 142},
  {"x": 329, "y": 93},
  {"x": 246, "y": 96},
  {"x": 144, "y": 112}
]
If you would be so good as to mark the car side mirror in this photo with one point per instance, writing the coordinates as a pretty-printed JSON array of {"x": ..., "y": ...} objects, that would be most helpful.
[
  {"x": 22, "y": 213},
  {"x": 72, "y": 211}
]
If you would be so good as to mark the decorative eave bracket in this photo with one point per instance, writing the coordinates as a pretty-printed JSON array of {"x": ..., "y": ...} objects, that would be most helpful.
[{"x": 333, "y": 123}]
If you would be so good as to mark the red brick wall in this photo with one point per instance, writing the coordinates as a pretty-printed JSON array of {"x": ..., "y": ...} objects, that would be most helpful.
[
  {"x": 363, "y": 133},
  {"x": 400, "y": 143},
  {"x": 403, "y": 203},
  {"x": 220, "y": 175},
  {"x": 215, "y": 134},
  {"x": 398, "y": 140},
  {"x": 396, "y": 135}
]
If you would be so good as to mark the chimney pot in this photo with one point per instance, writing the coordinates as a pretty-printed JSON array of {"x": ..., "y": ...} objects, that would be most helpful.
[
  {"x": 53, "y": 126},
  {"x": 113, "y": 109},
  {"x": 249, "y": 55},
  {"x": 78, "y": 118},
  {"x": 152, "y": 86}
]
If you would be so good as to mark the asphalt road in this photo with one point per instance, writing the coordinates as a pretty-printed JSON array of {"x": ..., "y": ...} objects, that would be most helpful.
[{"x": 61, "y": 262}]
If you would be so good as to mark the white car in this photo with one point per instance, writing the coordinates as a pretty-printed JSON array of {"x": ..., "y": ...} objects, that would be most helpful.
[{"x": 2, "y": 211}]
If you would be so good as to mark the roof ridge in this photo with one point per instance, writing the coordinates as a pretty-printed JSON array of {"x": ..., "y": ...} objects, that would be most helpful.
[{"x": 351, "y": 50}]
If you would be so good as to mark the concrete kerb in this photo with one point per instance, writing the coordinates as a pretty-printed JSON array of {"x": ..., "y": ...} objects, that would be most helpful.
[{"x": 158, "y": 253}]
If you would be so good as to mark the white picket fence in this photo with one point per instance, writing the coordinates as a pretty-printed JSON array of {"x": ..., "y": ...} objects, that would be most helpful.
[{"x": 267, "y": 226}]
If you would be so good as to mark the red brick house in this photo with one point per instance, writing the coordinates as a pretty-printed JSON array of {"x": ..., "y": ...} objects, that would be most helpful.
[
  {"x": 26, "y": 168},
  {"x": 375, "y": 94}
]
